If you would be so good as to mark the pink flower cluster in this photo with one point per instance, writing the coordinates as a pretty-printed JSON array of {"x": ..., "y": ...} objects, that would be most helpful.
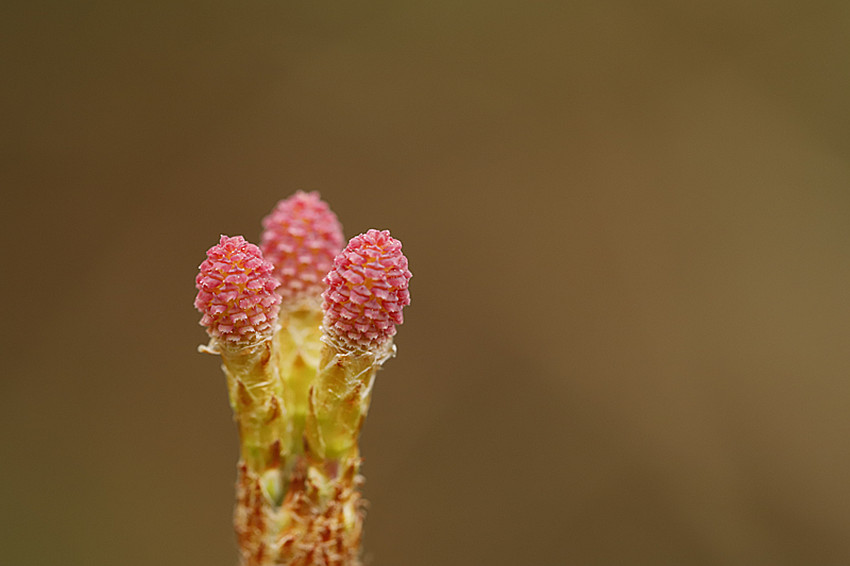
[
  {"x": 236, "y": 292},
  {"x": 301, "y": 236},
  {"x": 367, "y": 289}
]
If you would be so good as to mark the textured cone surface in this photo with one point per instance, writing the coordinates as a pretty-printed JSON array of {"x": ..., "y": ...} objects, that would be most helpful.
[
  {"x": 236, "y": 292},
  {"x": 300, "y": 237},
  {"x": 367, "y": 289}
]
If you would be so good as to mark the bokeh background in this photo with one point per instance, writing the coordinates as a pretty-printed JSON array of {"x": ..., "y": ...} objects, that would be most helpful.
[{"x": 628, "y": 223}]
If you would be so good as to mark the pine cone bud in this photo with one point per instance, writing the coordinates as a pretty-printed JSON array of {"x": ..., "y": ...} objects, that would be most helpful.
[
  {"x": 367, "y": 289},
  {"x": 301, "y": 236},
  {"x": 236, "y": 292}
]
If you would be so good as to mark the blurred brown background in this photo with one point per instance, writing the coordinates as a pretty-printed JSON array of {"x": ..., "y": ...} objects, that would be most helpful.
[{"x": 628, "y": 227}]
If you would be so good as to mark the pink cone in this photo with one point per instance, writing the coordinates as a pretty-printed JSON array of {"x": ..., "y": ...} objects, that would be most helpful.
[
  {"x": 301, "y": 236},
  {"x": 367, "y": 289},
  {"x": 236, "y": 292}
]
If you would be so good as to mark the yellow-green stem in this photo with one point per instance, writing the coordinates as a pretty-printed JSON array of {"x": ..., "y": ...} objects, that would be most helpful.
[
  {"x": 339, "y": 399},
  {"x": 298, "y": 347},
  {"x": 256, "y": 396}
]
